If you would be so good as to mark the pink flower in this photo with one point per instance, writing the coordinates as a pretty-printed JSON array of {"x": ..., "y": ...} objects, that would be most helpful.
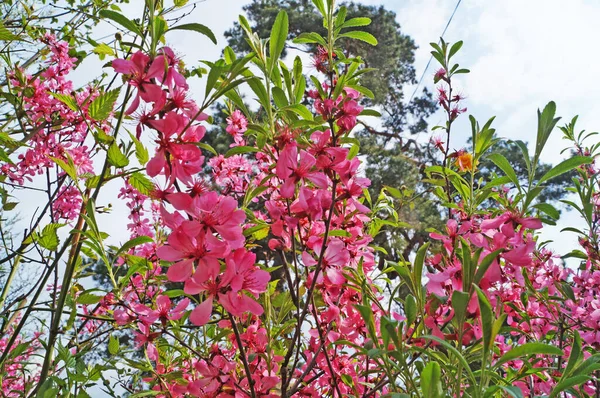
[
  {"x": 290, "y": 169},
  {"x": 201, "y": 248},
  {"x": 140, "y": 77},
  {"x": 163, "y": 310},
  {"x": 241, "y": 275},
  {"x": 237, "y": 124}
]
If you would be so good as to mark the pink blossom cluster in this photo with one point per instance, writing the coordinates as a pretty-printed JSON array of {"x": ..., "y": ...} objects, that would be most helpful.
[
  {"x": 311, "y": 188},
  {"x": 55, "y": 129},
  {"x": 519, "y": 268},
  {"x": 18, "y": 372}
]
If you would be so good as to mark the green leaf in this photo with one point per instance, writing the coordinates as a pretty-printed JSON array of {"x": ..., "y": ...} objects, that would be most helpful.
[
  {"x": 529, "y": 349},
  {"x": 456, "y": 353},
  {"x": 7, "y": 35},
  {"x": 141, "y": 153},
  {"x": 139, "y": 240},
  {"x": 525, "y": 152},
  {"x": 102, "y": 50},
  {"x": 300, "y": 110},
  {"x": 354, "y": 22},
  {"x": 363, "y": 90},
  {"x": 487, "y": 323},
  {"x": 460, "y": 300},
  {"x": 113, "y": 345},
  {"x": 310, "y": 38},
  {"x": 279, "y": 34},
  {"x": 354, "y": 149},
  {"x": 367, "y": 315},
  {"x": 505, "y": 166},
  {"x": 48, "y": 239},
  {"x": 259, "y": 89},
  {"x": 121, "y": 20},
  {"x": 102, "y": 106},
  {"x": 514, "y": 392},
  {"x": 370, "y": 112},
  {"x": 339, "y": 232},
  {"x": 89, "y": 299},
  {"x": 568, "y": 383},
  {"x": 238, "y": 150},
  {"x": 484, "y": 265},
  {"x": 546, "y": 123},
  {"x": 431, "y": 383},
  {"x": 196, "y": 27},
  {"x": 341, "y": 16},
  {"x": 564, "y": 167},
  {"x": 116, "y": 157},
  {"x": 410, "y": 309},
  {"x": 574, "y": 357},
  {"x": 320, "y": 6},
  {"x": 142, "y": 183},
  {"x": 548, "y": 209},
  {"x": 68, "y": 166},
  {"x": 418, "y": 267},
  {"x": 207, "y": 147},
  {"x": 279, "y": 97},
  {"x": 68, "y": 100},
  {"x": 359, "y": 35},
  {"x": 454, "y": 49},
  {"x": 8, "y": 206}
]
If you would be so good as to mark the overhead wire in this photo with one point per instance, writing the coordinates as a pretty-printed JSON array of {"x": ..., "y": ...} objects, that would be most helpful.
[{"x": 431, "y": 57}]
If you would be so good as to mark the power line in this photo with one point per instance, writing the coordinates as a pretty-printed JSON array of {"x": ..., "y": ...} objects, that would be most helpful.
[{"x": 431, "y": 57}]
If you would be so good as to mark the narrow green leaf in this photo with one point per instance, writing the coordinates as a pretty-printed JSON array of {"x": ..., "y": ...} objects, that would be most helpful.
[
  {"x": 565, "y": 166},
  {"x": 574, "y": 356},
  {"x": 139, "y": 240},
  {"x": 418, "y": 267},
  {"x": 431, "y": 380},
  {"x": 279, "y": 97},
  {"x": 320, "y": 6},
  {"x": 354, "y": 22},
  {"x": 454, "y": 49},
  {"x": 121, "y": 20},
  {"x": 568, "y": 383},
  {"x": 113, "y": 345},
  {"x": 487, "y": 323},
  {"x": 505, "y": 166},
  {"x": 546, "y": 123},
  {"x": 279, "y": 34},
  {"x": 68, "y": 166},
  {"x": 529, "y": 349},
  {"x": 238, "y": 150},
  {"x": 360, "y": 35},
  {"x": 410, "y": 309},
  {"x": 196, "y": 27},
  {"x": 460, "y": 300},
  {"x": 548, "y": 209},
  {"x": 300, "y": 110},
  {"x": 484, "y": 265},
  {"x": 310, "y": 38}
]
